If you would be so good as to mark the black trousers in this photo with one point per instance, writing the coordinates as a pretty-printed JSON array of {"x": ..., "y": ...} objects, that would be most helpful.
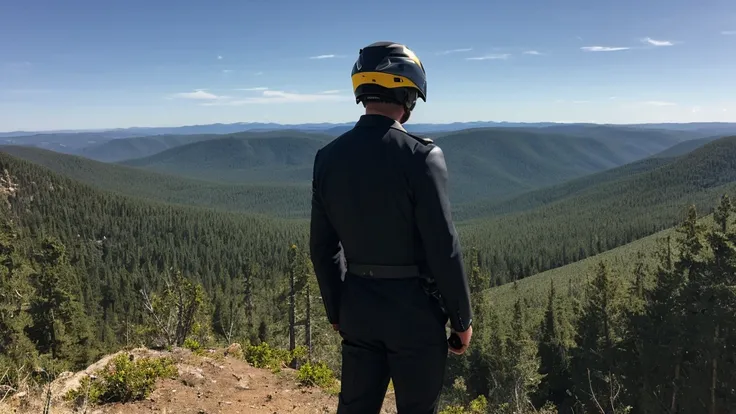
[{"x": 391, "y": 329}]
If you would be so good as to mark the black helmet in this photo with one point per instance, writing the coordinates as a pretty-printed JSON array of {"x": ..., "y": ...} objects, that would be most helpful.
[{"x": 389, "y": 72}]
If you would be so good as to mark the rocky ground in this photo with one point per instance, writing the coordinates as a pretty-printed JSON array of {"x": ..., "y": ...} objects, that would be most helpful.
[{"x": 217, "y": 382}]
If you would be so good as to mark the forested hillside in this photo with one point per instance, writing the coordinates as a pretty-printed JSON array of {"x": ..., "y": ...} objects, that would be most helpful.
[
  {"x": 138, "y": 147},
  {"x": 600, "y": 218},
  {"x": 64, "y": 142},
  {"x": 686, "y": 147},
  {"x": 542, "y": 230},
  {"x": 106, "y": 250},
  {"x": 655, "y": 336},
  {"x": 488, "y": 163},
  {"x": 568, "y": 189},
  {"x": 281, "y": 200},
  {"x": 267, "y": 157}
]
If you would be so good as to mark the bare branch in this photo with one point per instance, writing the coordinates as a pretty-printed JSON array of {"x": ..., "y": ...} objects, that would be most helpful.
[{"x": 592, "y": 393}]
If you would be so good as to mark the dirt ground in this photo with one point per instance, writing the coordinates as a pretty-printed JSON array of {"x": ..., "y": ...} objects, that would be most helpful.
[{"x": 207, "y": 384}]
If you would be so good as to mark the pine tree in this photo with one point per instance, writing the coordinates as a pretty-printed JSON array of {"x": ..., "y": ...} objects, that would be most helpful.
[
  {"x": 17, "y": 353},
  {"x": 553, "y": 351},
  {"x": 523, "y": 362},
  {"x": 60, "y": 326},
  {"x": 595, "y": 367},
  {"x": 709, "y": 301},
  {"x": 653, "y": 343}
]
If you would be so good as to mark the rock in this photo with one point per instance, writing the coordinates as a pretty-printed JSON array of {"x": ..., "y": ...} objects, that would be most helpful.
[
  {"x": 20, "y": 395},
  {"x": 235, "y": 350},
  {"x": 191, "y": 377},
  {"x": 242, "y": 385}
]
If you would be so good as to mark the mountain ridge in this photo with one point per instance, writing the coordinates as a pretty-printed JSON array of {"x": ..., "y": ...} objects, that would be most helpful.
[{"x": 483, "y": 162}]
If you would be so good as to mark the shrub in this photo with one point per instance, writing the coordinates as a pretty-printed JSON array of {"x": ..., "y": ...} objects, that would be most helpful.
[
  {"x": 477, "y": 406},
  {"x": 264, "y": 356},
  {"x": 453, "y": 409},
  {"x": 316, "y": 374},
  {"x": 124, "y": 380},
  {"x": 194, "y": 346}
]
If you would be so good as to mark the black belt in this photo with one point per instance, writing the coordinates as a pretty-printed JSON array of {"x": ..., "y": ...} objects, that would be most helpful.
[{"x": 384, "y": 271}]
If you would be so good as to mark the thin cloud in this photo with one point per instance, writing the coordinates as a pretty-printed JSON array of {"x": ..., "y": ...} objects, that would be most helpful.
[
  {"x": 331, "y": 92},
  {"x": 461, "y": 50},
  {"x": 198, "y": 94},
  {"x": 729, "y": 32},
  {"x": 258, "y": 73},
  {"x": 603, "y": 48},
  {"x": 503, "y": 56},
  {"x": 30, "y": 91},
  {"x": 219, "y": 57},
  {"x": 16, "y": 66},
  {"x": 227, "y": 71},
  {"x": 259, "y": 88},
  {"x": 532, "y": 52},
  {"x": 276, "y": 97},
  {"x": 323, "y": 57},
  {"x": 659, "y": 103},
  {"x": 650, "y": 41}
]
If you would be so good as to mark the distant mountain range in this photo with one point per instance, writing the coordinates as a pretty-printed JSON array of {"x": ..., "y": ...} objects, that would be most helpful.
[
  {"x": 256, "y": 126},
  {"x": 338, "y": 128},
  {"x": 92, "y": 144}
]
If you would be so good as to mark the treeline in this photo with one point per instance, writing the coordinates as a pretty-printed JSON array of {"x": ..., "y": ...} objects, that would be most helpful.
[{"x": 665, "y": 343}]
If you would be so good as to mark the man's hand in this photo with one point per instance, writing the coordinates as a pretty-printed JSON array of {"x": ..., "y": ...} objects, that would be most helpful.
[
  {"x": 335, "y": 326},
  {"x": 465, "y": 339}
]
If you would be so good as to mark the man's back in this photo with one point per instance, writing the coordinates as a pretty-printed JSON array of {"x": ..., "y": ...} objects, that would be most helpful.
[{"x": 365, "y": 184}]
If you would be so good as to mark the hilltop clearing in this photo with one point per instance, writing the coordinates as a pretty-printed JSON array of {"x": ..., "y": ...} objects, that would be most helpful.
[{"x": 209, "y": 382}]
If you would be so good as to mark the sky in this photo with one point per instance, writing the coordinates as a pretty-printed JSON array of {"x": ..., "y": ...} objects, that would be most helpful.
[{"x": 82, "y": 64}]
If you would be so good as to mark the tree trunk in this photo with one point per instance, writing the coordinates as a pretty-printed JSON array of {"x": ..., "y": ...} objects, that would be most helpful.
[
  {"x": 292, "y": 311},
  {"x": 673, "y": 403},
  {"x": 714, "y": 374},
  {"x": 308, "y": 324}
]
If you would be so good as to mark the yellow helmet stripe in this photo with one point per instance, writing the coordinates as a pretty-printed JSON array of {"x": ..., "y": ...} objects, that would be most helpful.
[{"x": 386, "y": 80}]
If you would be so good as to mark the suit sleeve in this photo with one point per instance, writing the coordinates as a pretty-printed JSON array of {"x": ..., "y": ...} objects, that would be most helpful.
[
  {"x": 440, "y": 239},
  {"x": 325, "y": 252}
]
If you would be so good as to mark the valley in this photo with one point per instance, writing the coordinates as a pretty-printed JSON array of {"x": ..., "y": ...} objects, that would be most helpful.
[{"x": 102, "y": 225}]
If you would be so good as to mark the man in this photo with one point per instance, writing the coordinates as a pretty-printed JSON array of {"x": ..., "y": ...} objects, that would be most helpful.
[{"x": 379, "y": 201}]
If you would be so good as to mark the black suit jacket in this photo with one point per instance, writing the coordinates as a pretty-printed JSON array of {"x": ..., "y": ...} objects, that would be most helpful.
[{"x": 379, "y": 196}]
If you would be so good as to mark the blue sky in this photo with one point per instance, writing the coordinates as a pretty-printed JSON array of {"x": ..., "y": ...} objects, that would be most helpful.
[{"x": 77, "y": 64}]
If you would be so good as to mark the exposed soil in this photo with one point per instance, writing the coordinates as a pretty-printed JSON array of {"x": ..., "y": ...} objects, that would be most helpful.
[{"x": 208, "y": 384}]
